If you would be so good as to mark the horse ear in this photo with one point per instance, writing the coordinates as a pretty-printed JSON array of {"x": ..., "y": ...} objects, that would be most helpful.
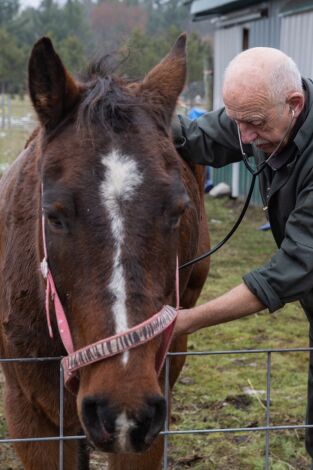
[
  {"x": 166, "y": 80},
  {"x": 52, "y": 90}
]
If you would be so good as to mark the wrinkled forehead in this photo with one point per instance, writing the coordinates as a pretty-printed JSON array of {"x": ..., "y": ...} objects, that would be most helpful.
[
  {"x": 243, "y": 104},
  {"x": 240, "y": 96}
]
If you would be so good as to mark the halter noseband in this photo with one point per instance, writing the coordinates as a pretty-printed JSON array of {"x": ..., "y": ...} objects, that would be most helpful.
[{"x": 161, "y": 322}]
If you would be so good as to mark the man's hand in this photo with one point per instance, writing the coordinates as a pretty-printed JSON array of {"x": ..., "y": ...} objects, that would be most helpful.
[
  {"x": 177, "y": 133},
  {"x": 183, "y": 325},
  {"x": 238, "y": 302}
]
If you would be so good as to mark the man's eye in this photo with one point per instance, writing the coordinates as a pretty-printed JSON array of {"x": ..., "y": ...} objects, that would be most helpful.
[{"x": 257, "y": 123}]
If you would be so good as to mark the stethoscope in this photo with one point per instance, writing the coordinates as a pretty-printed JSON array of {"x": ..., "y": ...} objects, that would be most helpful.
[
  {"x": 261, "y": 166},
  {"x": 254, "y": 173}
]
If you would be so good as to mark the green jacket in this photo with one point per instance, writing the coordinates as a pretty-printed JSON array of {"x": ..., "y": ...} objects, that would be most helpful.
[{"x": 287, "y": 192}]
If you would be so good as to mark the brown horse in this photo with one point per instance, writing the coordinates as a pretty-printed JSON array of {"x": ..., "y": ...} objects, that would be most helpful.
[{"x": 118, "y": 205}]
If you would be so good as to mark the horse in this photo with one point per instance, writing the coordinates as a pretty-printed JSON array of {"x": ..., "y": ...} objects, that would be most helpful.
[{"x": 96, "y": 213}]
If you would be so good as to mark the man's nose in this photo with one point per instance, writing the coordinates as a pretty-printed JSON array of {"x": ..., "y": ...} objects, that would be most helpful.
[{"x": 247, "y": 134}]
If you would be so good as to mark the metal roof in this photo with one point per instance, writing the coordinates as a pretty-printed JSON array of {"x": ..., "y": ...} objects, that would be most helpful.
[
  {"x": 218, "y": 7},
  {"x": 296, "y": 6}
]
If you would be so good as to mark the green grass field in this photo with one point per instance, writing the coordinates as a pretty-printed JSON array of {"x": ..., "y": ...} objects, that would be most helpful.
[
  {"x": 225, "y": 391},
  {"x": 229, "y": 391},
  {"x": 15, "y": 133}
]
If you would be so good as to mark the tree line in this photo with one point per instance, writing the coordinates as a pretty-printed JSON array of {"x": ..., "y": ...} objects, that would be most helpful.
[{"x": 139, "y": 32}]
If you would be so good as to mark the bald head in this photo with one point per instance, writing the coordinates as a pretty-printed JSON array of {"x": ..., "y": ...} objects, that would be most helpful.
[
  {"x": 263, "y": 94},
  {"x": 262, "y": 68}
]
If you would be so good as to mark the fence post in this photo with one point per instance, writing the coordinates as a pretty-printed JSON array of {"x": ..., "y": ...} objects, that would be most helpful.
[
  {"x": 3, "y": 105},
  {"x": 268, "y": 403},
  {"x": 9, "y": 107},
  {"x": 61, "y": 418},
  {"x": 166, "y": 424}
]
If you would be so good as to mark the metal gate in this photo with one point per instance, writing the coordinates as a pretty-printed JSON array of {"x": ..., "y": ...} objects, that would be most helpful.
[{"x": 167, "y": 432}]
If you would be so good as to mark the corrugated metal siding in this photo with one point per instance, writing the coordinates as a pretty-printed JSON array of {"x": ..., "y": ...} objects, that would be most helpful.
[
  {"x": 225, "y": 175},
  {"x": 227, "y": 44},
  {"x": 222, "y": 175},
  {"x": 244, "y": 186},
  {"x": 296, "y": 40},
  {"x": 265, "y": 33}
]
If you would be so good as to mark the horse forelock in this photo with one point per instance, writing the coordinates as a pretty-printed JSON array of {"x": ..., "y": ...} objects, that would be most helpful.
[
  {"x": 113, "y": 102},
  {"x": 107, "y": 103}
]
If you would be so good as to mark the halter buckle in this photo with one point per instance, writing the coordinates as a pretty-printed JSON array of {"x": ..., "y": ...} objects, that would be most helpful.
[{"x": 44, "y": 268}]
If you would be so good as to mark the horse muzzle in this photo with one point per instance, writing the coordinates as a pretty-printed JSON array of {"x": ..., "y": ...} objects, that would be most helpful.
[{"x": 119, "y": 431}]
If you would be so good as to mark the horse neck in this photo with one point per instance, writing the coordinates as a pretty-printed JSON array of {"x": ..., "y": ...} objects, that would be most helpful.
[{"x": 22, "y": 293}]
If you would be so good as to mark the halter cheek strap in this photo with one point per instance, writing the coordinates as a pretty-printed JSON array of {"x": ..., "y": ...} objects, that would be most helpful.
[
  {"x": 51, "y": 293},
  {"x": 161, "y": 322}
]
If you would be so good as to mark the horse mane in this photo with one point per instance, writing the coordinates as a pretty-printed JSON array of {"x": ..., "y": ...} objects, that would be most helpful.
[{"x": 109, "y": 100}]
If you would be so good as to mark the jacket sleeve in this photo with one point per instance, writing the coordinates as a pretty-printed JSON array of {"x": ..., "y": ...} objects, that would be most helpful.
[
  {"x": 211, "y": 139},
  {"x": 288, "y": 276}
]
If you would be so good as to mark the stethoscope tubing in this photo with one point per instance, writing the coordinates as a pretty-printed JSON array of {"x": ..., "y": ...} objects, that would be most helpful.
[{"x": 254, "y": 173}]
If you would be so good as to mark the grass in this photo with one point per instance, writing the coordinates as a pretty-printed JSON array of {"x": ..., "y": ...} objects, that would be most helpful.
[
  {"x": 213, "y": 390},
  {"x": 217, "y": 391},
  {"x": 13, "y": 136}
]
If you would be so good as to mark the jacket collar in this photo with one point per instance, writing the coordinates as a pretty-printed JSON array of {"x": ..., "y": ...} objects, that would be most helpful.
[{"x": 304, "y": 135}]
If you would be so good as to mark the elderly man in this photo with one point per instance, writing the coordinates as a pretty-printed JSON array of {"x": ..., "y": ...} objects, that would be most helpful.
[{"x": 268, "y": 114}]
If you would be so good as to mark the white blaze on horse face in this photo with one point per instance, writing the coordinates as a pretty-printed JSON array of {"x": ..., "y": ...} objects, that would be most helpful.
[
  {"x": 123, "y": 425},
  {"x": 122, "y": 178}
]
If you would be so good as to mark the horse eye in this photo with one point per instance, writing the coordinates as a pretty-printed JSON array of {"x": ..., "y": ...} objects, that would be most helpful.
[
  {"x": 55, "y": 222},
  {"x": 176, "y": 215},
  {"x": 175, "y": 220}
]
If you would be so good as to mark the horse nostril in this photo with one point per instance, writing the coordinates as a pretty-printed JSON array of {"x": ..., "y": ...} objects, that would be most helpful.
[
  {"x": 110, "y": 429},
  {"x": 149, "y": 422},
  {"x": 99, "y": 419}
]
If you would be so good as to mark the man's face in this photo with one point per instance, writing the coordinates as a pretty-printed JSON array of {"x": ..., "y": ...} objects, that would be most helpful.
[{"x": 260, "y": 121}]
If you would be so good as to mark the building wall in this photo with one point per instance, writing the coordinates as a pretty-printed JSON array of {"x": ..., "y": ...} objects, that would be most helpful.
[
  {"x": 265, "y": 32},
  {"x": 296, "y": 40},
  {"x": 227, "y": 44}
]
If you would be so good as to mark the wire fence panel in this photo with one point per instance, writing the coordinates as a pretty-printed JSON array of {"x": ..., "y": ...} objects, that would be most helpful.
[{"x": 167, "y": 432}]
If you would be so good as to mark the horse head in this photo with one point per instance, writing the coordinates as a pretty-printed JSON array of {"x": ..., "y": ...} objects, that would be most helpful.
[{"x": 114, "y": 200}]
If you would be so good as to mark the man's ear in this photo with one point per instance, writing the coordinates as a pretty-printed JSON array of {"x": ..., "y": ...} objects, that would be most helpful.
[{"x": 296, "y": 103}]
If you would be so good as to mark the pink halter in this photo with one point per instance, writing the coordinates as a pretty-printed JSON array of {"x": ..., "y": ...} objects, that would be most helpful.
[{"x": 161, "y": 322}]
